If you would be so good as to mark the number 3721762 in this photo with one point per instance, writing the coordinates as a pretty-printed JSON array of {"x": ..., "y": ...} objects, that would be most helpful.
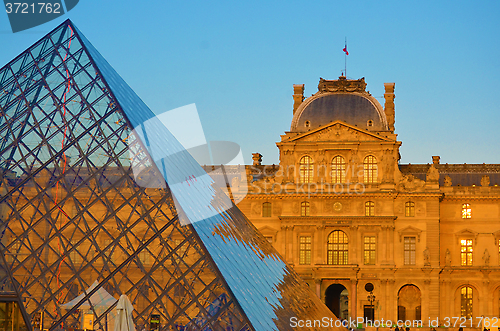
[
  {"x": 463, "y": 322},
  {"x": 33, "y": 8}
]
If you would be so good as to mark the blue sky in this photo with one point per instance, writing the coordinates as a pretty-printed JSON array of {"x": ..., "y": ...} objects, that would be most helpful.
[{"x": 237, "y": 61}]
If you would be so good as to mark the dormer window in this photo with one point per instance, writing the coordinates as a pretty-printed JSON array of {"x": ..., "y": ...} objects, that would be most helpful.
[
  {"x": 369, "y": 123},
  {"x": 307, "y": 124}
]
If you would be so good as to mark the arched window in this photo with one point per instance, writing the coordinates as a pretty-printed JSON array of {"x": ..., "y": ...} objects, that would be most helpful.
[
  {"x": 337, "y": 248},
  {"x": 338, "y": 169},
  {"x": 369, "y": 208},
  {"x": 370, "y": 170},
  {"x": 266, "y": 209},
  {"x": 305, "y": 170},
  {"x": 409, "y": 209},
  {"x": 466, "y": 302},
  {"x": 466, "y": 211},
  {"x": 304, "y": 208}
]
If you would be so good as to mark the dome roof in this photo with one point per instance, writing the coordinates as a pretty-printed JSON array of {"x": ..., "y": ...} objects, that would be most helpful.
[{"x": 357, "y": 108}]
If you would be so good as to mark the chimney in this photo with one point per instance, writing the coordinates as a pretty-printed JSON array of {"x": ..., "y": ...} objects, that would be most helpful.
[
  {"x": 257, "y": 158},
  {"x": 390, "y": 112},
  {"x": 298, "y": 96}
]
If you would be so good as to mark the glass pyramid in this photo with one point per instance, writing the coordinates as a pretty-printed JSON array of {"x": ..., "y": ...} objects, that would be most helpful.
[{"x": 93, "y": 189}]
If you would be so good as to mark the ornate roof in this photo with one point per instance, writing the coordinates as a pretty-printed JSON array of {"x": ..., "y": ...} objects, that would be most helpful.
[{"x": 344, "y": 100}]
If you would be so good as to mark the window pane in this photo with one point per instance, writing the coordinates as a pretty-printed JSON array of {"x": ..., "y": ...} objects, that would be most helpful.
[
  {"x": 409, "y": 250},
  {"x": 305, "y": 249},
  {"x": 338, "y": 170},
  {"x": 305, "y": 170},
  {"x": 466, "y": 302},
  {"x": 305, "y": 208},
  {"x": 337, "y": 248},
  {"x": 369, "y": 208},
  {"x": 466, "y": 211},
  {"x": 370, "y": 170},
  {"x": 369, "y": 250},
  {"x": 266, "y": 209},
  {"x": 410, "y": 209},
  {"x": 466, "y": 251}
]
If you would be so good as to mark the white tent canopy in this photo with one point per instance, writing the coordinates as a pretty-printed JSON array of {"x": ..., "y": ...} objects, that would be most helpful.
[{"x": 101, "y": 298}]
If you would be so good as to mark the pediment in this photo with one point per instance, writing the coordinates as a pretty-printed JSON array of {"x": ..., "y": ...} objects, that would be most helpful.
[
  {"x": 268, "y": 231},
  {"x": 466, "y": 234},
  {"x": 338, "y": 131},
  {"x": 409, "y": 231}
]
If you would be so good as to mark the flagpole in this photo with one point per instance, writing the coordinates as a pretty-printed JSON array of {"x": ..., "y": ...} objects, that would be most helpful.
[{"x": 345, "y": 59}]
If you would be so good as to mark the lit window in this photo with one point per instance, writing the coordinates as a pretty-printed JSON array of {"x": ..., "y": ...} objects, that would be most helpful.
[
  {"x": 466, "y": 252},
  {"x": 410, "y": 209},
  {"x": 369, "y": 246},
  {"x": 266, "y": 209},
  {"x": 466, "y": 302},
  {"x": 338, "y": 170},
  {"x": 305, "y": 249},
  {"x": 304, "y": 208},
  {"x": 370, "y": 170},
  {"x": 337, "y": 248},
  {"x": 409, "y": 251},
  {"x": 369, "y": 208},
  {"x": 305, "y": 170},
  {"x": 466, "y": 211}
]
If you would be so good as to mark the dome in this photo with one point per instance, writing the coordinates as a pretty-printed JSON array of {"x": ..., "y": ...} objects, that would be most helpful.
[{"x": 357, "y": 108}]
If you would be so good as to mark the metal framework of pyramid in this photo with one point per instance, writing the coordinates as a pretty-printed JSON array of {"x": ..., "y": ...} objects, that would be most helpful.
[{"x": 73, "y": 211}]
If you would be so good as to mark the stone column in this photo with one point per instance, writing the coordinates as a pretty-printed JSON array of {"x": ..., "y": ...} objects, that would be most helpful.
[
  {"x": 389, "y": 104},
  {"x": 290, "y": 257},
  {"x": 317, "y": 281},
  {"x": 321, "y": 243},
  {"x": 353, "y": 299}
]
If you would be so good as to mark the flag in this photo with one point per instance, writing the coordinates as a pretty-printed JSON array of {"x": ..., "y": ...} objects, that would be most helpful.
[{"x": 345, "y": 50}]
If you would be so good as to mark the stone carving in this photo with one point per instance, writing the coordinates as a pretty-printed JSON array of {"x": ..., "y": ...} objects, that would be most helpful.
[
  {"x": 485, "y": 180},
  {"x": 410, "y": 183},
  {"x": 486, "y": 257},
  {"x": 313, "y": 208},
  {"x": 427, "y": 257},
  {"x": 296, "y": 208},
  {"x": 342, "y": 85},
  {"x": 256, "y": 208},
  {"x": 388, "y": 165},
  {"x": 277, "y": 209},
  {"x": 447, "y": 181},
  {"x": 328, "y": 206},
  {"x": 354, "y": 158},
  {"x": 447, "y": 258},
  {"x": 432, "y": 174},
  {"x": 257, "y": 158},
  {"x": 338, "y": 132}
]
